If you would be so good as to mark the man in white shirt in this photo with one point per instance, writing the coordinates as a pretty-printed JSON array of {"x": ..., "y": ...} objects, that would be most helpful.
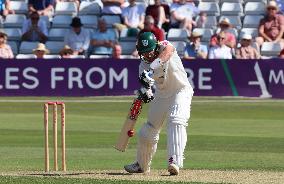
[
  {"x": 77, "y": 37},
  {"x": 161, "y": 65},
  {"x": 34, "y": 29},
  {"x": 220, "y": 51},
  {"x": 133, "y": 15}
]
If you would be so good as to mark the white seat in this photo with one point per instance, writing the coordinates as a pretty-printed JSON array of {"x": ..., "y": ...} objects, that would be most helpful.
[
  {"x": 211, "y": 22},
  {"x": 66, "y": 8},
  {"x": 128, "y": 57},
  {"x": 211, "y": 8},
  {"x": 25, "y": 56},
  {"x": 61, "y": 21},
  {"x": 180, "y": 46},
  {"x": 27, "y": 47},
  {"x": 250, "y": 31},
  {"x": 206, "y": 33},
  {"x": 89, "y": 21},
  {"x": 57, "y": 34},
  {"x": 264, "y": 1},
  {"x": 14, "y": 46},
  {"x": 229, "y": 8},
  {"x": 123, "y": 36},
  {"x": 89, "y": 8},
  {"x": 231, "y": 1},
  {"x": 19, "y": 7},
  {"x": 234, "y": 20},
  {"x": 14, "y": 20},
  {"x": 54, "y": 46},
  {"x": 252, "y": 21},
  {"x": 270, "y": 49},
  {"x": 255, "y": 8},
  {"x": 111, "y": 19},
  {"x": 176, "y": 34},
  {"x": 128, "y": 47},
  {"x": 13, "y": 33},
  {"x": 98, "y": 56},
  {"x": 52, "y": 56}
]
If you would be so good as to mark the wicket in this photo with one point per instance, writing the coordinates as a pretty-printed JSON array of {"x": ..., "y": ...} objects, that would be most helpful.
[{"x": 54, "y": 105}]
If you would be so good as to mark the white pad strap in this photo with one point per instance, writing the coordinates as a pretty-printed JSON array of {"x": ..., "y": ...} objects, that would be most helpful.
[
  {"x": 147, "y": 146},
  {"x": 177, "y": 138}
]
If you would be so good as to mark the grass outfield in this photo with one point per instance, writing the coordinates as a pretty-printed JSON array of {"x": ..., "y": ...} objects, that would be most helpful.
[{"x": 224, "y": 134}]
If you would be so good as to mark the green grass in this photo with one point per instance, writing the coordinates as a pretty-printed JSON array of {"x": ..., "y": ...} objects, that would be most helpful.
[{"x": 222, "y": 135}]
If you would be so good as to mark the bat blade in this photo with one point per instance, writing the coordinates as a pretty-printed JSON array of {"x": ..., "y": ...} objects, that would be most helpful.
[{"x": 129, "y": 124}]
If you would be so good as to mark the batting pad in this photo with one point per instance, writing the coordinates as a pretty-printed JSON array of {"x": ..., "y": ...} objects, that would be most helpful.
[
  {"x": 147, "y": 146},
  {"x": 177, "y": 138}
]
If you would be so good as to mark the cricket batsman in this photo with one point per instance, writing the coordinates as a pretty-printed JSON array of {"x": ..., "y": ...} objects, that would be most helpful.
[{"x": 161, "y": 65}]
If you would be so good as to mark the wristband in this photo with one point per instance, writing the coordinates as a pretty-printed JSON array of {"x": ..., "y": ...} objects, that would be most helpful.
[{"x": 155, "y": 64}]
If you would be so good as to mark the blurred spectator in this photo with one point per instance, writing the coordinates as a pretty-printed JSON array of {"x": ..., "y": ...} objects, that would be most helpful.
[
  {"x": 40, "y": 51},
  {"x": 103, "y": 39},
  {"x": 149, "y": 26},
  {"x": 5, "y": 8},
  {"x": 271, "y": 27},
  {"x": 202, "y": 20},
  {"x": 5, "y": 49},
  {"x": 281, "y": 55},
  {"x": 133, "y": 15},
  {"x": 224, "y": 26},
  {"x": 194, "y": 49},
  {"x": 34, "y": 29},
  {"x": 42, "y": 7},
  {"x": 182, "y": 14},
  {"x": 112, "y": 6},
  {"x": 161, "y": 14},
  {"x": 66, "y": 52},
  {"x": 77, "y": 37},
  {"x": 220, "y": 51},
  {"x": 116, "y": 52},
  {"x": 246, "y": 51}
]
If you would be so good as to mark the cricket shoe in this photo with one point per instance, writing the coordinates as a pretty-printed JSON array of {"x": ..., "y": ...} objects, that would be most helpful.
[
  {"x": 133, "y": 168},
  {"x": 173, "y": 169}
]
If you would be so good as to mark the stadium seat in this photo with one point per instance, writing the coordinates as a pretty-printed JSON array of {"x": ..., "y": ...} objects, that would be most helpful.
[
  {"x": 234, "y": 20},
  {"x": 27, "y": 47},
  {"x": 14, "y": 47},
  {"x": 89, "y": 21},
  {"x": 229, "y": 8},
  {"x": 211, "y": 22},
  {"x": 211, "y": 8},
  {"x": 251, "y": 31},
  {"x": 89, "y": 8},
  {"x": 206, "y": 33},
  {"x": 20, "y": 7},
  {"x": 128, "y": 57},
  {"x": 264, "y": 1},
  {"x": 77, "y": 57},
  {"x": 99, "y": 56},
  {"x": 128, "y": 47},
  {"x": 252, "y": 21},
  {"x": 177, "y": 34},
  {"x": 231, "y": 1},
  {"x": 66, "y": 8},
  {"x": 54, "y": 46},
  {"x": 61, "y": 21},
  {"x": 123, "y": 36},
  {"x": 180, "y": 46},
  {"x": 57, "y": 34},
  {"x": 13, "y": 33},
  {"x": 52, "y": 56},
  {"x": 255, "y": 8},
  {"x": 14, "y": 20},
  {"x": 270, "y": 49},
  {"x": 111, "y": 19},
  {"x": 25, "y": 56}
]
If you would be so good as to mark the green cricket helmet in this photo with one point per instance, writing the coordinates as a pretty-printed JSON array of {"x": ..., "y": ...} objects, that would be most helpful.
[{"x": 146, "y": 42}]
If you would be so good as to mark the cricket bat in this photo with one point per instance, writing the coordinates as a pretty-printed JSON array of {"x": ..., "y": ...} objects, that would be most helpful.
[{"x": 127, "y": 130}]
